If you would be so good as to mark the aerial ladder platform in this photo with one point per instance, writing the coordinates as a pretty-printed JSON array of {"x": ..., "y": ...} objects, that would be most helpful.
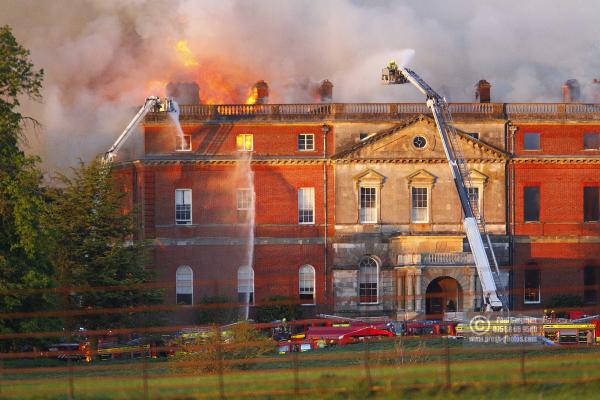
[
  {"x": 152, "y": 103},
  {"x": 494, "y": 291}
]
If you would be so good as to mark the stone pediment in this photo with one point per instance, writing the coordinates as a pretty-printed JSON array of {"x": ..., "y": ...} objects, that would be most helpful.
[
  {"x": 369, "y": 177},
  {"x": 416, "y": 139},
  {"x": 478, "y": 178},
  {"x": 421, "y": 177}
]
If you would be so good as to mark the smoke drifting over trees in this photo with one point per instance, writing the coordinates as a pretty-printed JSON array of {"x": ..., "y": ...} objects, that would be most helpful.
[{"x": 102, "y": 57}]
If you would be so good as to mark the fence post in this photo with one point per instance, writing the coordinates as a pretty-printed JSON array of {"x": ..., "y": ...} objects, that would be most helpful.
[
  {"x": 145, "y": 373},
  {"x": 69, "y": 322},
  {"x": 140, "y": 322},
  {"x": 523, "y": 376},
  {"x": 71, "y": 394},
  {"x": 296, "y": 377},
  {"x": 367, "y": 367},
  {"x": 448, "y": 376},
  {"x": 220, "y": 363}
]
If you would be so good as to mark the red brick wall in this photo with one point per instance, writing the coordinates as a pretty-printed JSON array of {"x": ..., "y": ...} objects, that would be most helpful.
[
  {"x": 561, "y": 266},
  {"x": 268, "y": 140},
  {"x": 555, "y": 139},
  {"x": 561, "y": 198},
  {"x": 561, "y": 244},
  {"x": 214, "y": 246}
]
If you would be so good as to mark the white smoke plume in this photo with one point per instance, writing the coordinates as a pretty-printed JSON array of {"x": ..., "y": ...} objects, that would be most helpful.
[{"x": 102, "y": 57}]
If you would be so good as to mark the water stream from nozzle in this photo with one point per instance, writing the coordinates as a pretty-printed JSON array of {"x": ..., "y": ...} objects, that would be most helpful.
[
  {"x": 245, "y": 169},
  {"x": 173, "y": 113}
]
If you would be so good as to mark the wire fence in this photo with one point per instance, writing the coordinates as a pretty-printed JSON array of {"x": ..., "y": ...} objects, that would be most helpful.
[{"x": 146, "y": 361}]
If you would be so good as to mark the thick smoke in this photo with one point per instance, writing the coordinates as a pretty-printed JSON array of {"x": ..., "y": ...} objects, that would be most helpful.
[{"x": 102, "y": 57}]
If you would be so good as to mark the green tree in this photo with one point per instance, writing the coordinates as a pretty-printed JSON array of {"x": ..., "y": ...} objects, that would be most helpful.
[
  {"x": 94, "y": 251},
  {"x": 24, "y": 264},
  {"x": 237, "y": 347},
  {"x": 217, "y": 310},
  {"x": 277, "y": 308}
]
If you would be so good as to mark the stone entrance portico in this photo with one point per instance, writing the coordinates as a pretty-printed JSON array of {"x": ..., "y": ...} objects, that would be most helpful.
[{"x": 417, "y": 266}]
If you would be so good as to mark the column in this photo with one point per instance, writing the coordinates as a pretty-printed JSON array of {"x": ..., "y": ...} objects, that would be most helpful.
[
  {"x": 473, "y": 288},
  {"x": 418, "y": 296},
  {"x": 410, "y": 298},
  {"x": 400, "y": 290}
]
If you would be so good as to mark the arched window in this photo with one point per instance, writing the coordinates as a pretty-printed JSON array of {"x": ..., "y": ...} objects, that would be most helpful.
[
  {"x": 184, "y": 285},
  {"x": 245, "y": 278},
  {"x": 368, "y": 280},
  {"x": 307, "y": 284}
]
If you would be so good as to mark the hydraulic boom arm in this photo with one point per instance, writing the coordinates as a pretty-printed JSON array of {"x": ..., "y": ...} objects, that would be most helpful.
[
  {"x": 473, "y": 222},
  {"x": 151, "y": 103}
]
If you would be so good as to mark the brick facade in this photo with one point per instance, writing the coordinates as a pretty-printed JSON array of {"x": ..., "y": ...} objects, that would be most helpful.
[
  {"x": 560, "y": 245},
  {"x": 373, "y": 146}
]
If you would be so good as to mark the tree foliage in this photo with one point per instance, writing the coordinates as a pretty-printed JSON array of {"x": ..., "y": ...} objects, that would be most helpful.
[
  {"x": 24, "y": 264},
  {"x": 217, "y": 310},
  {"x": 237, "y": 345},
  {"x": 94, "y": 251},
  {"x": 278, "y": 308}
]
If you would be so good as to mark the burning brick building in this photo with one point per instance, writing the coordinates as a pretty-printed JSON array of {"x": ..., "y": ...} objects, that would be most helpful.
[{"x": 351, "y": 208}]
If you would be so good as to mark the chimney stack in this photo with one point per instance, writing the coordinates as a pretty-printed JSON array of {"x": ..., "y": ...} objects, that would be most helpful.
[
  {"x": 595, "y": 92},
  {"x": 262, "y": 92},
  {"x": 571, "y": 91},
  {"x": 483, "y": 91},
  {"x": 326, "y": 91},
  {"x": 184, "y": 92}
]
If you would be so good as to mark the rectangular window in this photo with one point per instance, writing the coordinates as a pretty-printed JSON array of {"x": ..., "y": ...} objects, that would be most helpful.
[
  {"x": 531, "y": 141},
  {"x": 590, "y": 292},
  {"x": 244, "y": 142},
  {"x": 590, "y": 204},
  {"x": 306, "y": 205},
  {"x": 183, "y": 143},
  {"x": 475, "y": 201},
  {"x": 245, "y": 278},
  {"x": 183, "y": 206},
  {"x": 531, "y": 203},
  {"x": 420, "y": 205},
  {"x": 368, "y": 205},
  {"x": 532, "y": 286},
  {"x": 244, "y": 199},
  {"x": 243, "y": 204},
  {"x": 591, "y": 141},
  {"x": 306, "y": 142}
]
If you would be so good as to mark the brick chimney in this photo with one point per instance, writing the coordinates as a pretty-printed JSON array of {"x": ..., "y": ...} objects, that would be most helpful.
[
  {"x": 483, "y": 91},
  {"x": 326, "y": 91},
  {"x": 571, "y": 91},
  {"x": 595, "y": 92},
  {"x": 184, "y": 92},
  {"x": 262, "y": 92}
]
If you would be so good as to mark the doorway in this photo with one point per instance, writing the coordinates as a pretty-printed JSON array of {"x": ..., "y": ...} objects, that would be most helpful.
[{"x": 444, "y": 294}]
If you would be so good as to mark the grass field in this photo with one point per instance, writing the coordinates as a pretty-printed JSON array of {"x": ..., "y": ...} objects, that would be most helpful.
[{"x": 389, "y": 369}]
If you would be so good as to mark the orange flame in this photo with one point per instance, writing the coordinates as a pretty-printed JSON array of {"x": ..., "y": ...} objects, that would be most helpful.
[
  {"x": 252, "y": 96},
  {"x": 221, "y": 81},
  {"x": 185, "y": 54}
]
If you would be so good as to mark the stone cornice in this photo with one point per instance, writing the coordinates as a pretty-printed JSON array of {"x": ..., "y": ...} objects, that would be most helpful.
[
  {"x": 556, "y": 160},
  {"x": 296, "y": 161}
]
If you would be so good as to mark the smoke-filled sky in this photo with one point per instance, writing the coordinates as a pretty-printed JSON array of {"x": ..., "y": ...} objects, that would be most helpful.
[{"x": 102, "y": 57}]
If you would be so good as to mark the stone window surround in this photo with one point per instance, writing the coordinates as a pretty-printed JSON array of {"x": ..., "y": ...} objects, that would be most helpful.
[
  {"x": 420, "y": 179},
  {"x": 479, "y": 181},
  {"x": 369, "y": 179},
  {"x": 378, "y": 283}
]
